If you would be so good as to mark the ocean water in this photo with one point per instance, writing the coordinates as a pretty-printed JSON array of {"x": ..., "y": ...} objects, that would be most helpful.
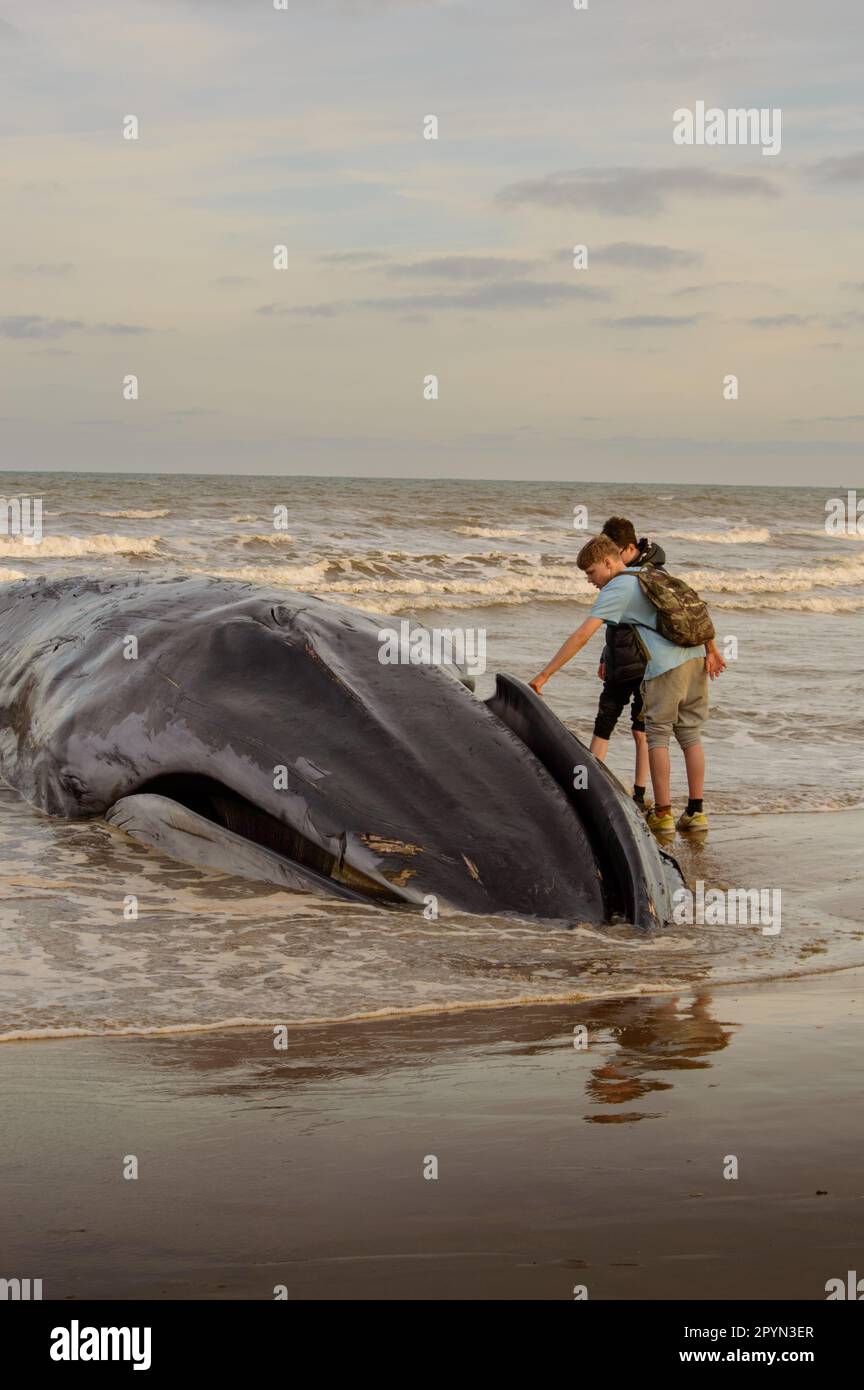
[{"x": 784, "y": 738}]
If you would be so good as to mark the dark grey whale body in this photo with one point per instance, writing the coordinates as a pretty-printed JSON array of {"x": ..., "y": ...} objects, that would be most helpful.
[{"x": 262, "y": 735}]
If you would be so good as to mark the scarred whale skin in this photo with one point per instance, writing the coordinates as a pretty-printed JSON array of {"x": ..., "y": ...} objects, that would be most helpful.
[{"x": 395, "y": 775}]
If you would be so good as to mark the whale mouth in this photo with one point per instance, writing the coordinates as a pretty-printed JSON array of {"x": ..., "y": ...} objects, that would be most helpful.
[{"x": 226, "y": 809}]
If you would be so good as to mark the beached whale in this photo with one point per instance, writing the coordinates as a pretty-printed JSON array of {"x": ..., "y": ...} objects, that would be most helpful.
[{"x": 261, "y": 735}]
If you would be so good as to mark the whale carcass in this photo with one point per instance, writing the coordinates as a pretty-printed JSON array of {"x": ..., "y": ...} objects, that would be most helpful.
[{"x": 259, "y": 733}]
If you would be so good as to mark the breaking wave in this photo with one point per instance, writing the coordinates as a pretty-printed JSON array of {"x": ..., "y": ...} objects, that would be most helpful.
[
  {"x": 394, "y": 580},
  {"x": 54, "y": 547},
  {"x": 844, "y": 574},
  {"x": 134, "y": 514},
  {"x": 492, "y": 532},
  {"x": 800, "y": 603},
  {"x": 272, "y": 538},
  {"x": 738, "y": 535}
]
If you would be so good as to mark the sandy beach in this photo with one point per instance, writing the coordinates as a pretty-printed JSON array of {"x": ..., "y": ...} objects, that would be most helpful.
[
  {"x": 333, "y": 964},
  {"x": 557, "y": 1166}
]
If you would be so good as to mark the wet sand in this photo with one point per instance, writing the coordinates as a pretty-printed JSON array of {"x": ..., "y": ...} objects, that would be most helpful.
[{"x": 557, "y": 1165}]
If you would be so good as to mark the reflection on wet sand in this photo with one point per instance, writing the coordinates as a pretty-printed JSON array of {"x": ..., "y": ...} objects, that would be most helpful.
[
  {"x": 307, "y": 1167},
  {"x": 665, "y": 1037},
  {"x": 637, "y": 1039}
]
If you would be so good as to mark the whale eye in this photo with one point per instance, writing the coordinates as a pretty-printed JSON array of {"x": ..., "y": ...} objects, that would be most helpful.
[
  {"x": 73, "y": 783},
  {"x": 286, "y": 620},
  {"x": 290, "y": 618},
  {"x": 290, "y": 614}
]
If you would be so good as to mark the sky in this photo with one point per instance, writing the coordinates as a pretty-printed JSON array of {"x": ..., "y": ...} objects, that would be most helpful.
[{"x": 408, "y": 257}]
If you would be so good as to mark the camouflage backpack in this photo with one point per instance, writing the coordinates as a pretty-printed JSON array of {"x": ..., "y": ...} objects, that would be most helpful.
[{"x": 682, "y": 617}]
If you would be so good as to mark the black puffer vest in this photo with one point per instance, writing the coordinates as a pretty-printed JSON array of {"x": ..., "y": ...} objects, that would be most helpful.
[{"x": 623, "y": 656}]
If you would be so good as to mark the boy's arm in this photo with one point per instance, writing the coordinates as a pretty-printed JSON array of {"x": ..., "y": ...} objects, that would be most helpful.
[
  {"x": 714, "y": 662},
  {"x": 575, "y": 642}
]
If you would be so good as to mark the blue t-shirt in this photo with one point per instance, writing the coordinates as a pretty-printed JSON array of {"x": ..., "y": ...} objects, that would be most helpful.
[{"x": 622, "y": 601}]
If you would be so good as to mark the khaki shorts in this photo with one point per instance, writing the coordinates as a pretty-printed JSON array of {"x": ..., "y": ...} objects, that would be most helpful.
[{"x": 676, "y": 702}]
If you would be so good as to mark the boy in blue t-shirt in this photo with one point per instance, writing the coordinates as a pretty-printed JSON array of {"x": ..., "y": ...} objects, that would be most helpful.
[{"x": 675, "y": 688}]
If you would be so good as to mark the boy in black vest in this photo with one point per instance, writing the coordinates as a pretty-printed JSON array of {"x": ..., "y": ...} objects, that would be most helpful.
[
  {"x": 677, "y": 672},
  {"x": 622, "y": 665}
]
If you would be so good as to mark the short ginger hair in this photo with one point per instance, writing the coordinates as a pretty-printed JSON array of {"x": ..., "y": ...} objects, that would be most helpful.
[{"x": 598, "y": 548}]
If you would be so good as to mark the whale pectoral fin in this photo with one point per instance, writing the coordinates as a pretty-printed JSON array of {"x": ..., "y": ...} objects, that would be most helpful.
[
  {"x": 639, "y": 879},
  {"x": 172, "y": 829}
]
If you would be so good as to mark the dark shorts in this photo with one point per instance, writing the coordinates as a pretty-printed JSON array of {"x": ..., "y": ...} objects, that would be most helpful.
[{"x": 613, "y": 698}]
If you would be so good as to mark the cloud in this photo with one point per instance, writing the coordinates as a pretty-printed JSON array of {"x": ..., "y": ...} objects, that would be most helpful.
[
  {"x": 35, "y": 326},
  {"x": 638, "y": 255},
  {"x": 850, "y": 319},
  {"x": 42, "y": 186},
  {"x": 322, "y": 311},
  {"x": 827, "y": 420},
  {"x": 350, "y": 8},
  {"x": 508, "y": 294},
  {"x": 118, "y": 328},
  {"x": 723, "y": 285},
  {"x": 352, "y": 257},
  {"x": 61, "y": 268},
  {"x": 462, "y": 268},
  {"x": 626, "y": 191},
  {"x": 847, "y": 168},
  {"x": 780, "y": 320},
  {"x": 653, "y": 321},
  {"x": 233, "y": 280},
  {"x": 192, "y": 411}
]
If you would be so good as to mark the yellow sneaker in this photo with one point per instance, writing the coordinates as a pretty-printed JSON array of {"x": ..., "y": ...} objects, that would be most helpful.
[
  {"x": 662, "y": 823},
  {"x": 698, "y": 821}
]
